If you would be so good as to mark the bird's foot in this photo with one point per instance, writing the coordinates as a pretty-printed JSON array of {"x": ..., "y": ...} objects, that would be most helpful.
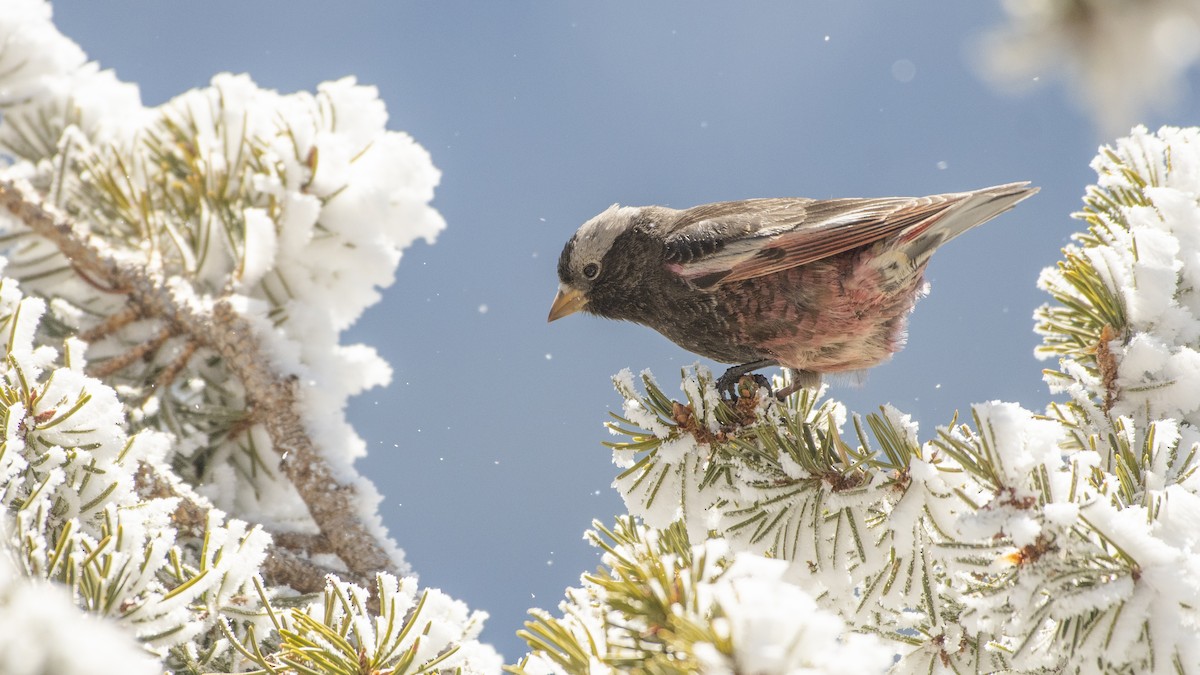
[
  {"x": 730, "y": 384},
  {"x": 748, "y": 385}
]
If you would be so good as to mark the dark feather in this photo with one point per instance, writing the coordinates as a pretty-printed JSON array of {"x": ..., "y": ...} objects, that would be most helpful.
[{"x": 731, "y": 241}]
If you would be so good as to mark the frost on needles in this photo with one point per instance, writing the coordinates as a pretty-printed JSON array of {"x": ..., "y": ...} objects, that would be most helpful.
[
  {"x": 1062, "y": 540},
  {"x": 176, "y": 469},
  {"x": 177, "y": 496}
]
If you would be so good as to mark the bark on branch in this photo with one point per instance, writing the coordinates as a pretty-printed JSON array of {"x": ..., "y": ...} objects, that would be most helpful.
[
  {"x": 288, "y": 562},
  {"x": 272, "y": 396}
]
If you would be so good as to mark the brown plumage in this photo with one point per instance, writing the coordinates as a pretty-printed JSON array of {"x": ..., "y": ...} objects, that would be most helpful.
[{"x": 817, "y": 286}]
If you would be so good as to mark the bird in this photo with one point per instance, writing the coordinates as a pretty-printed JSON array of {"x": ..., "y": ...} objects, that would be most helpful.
[{"x": 816, "y": 286}]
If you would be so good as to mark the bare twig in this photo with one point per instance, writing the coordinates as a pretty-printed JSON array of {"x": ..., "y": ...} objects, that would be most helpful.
[
  {"x": 102, "y": 369},
  {"x": 112, "y": 324},
  {"x": 168, "y": 375}
]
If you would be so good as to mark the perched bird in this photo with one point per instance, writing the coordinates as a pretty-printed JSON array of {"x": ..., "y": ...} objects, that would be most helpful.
[{"x": 816, "y": 286}]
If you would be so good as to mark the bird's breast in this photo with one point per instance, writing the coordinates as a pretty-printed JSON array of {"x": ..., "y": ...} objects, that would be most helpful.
[{"x": 844, "y": 313}]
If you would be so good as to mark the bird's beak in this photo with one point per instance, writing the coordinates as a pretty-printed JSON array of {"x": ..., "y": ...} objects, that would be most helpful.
[{"x": 567, "y": 301}]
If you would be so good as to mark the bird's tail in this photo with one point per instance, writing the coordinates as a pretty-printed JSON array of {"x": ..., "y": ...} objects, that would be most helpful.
[{"x": 973, "y": 208}]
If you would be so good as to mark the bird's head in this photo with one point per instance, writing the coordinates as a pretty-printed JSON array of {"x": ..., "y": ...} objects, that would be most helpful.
[{"x": 590, "y": 261}]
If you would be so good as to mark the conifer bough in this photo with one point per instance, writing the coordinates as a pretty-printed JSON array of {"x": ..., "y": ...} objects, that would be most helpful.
[{"x": 271, "y": 396}]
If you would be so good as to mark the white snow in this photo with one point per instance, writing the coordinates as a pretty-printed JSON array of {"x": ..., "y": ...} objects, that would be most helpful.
[
  {"x": 45, "y": 633},
  {"x": 323, "y": 213},
  {"x": 777, "y": 627}
]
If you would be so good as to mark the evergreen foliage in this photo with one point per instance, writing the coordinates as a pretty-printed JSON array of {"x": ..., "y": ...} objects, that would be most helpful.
[
  {"x": 180, "y": 269},
  {"x": 177, "y": 477},
  {"x": 1060, "y": 541}
]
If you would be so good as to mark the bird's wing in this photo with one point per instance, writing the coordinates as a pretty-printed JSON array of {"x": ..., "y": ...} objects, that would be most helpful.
[{"x": 731, "y": 241}]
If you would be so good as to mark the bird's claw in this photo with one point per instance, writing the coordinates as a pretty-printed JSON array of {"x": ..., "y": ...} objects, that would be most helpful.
[
  {"x": 731, "y": 380},
  {"x": 733, "y": 388}
]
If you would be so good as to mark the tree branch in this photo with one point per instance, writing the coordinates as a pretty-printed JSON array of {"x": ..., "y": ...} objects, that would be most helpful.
[
  {"x": 270, "y": 395},
  {"x": 288, "y": 561}
]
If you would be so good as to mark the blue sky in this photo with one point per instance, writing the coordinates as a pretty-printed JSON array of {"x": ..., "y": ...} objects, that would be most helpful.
[{"x": 540, "y": 115}]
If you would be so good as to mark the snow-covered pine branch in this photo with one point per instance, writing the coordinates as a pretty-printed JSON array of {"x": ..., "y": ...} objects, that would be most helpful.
[
  {"x": 662, "y": 605},
  {"x": 175, "y": 453},
  {"x": 1015, "y": 542}
]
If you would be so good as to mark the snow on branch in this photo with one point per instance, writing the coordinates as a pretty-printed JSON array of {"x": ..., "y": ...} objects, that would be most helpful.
[
  {"x": 219, "y": 327},
  {"x": 173, "y": 354},
  {"x": 661, "y": 605},
  {"x": 1009, "y": 541},
  {"x": 1127, "y": 320},
  {"x": 210, "y": 251}
]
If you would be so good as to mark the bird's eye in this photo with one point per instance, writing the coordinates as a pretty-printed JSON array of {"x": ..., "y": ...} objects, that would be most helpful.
[{"x": 591, "y": 270}]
